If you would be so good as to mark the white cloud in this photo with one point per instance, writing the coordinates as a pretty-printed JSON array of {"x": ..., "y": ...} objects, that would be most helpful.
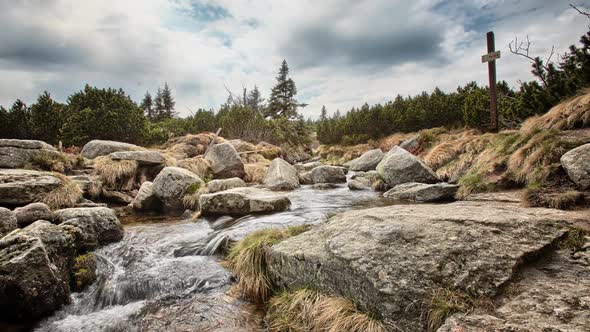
[{"x": 342, "y": 53}]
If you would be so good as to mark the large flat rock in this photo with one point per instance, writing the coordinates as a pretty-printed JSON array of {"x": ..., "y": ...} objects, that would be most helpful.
[
  {"x": 553, "y": 295},
  {"x": 16, "y": 153},
  {"x": 21, "y": 187},
  {"x": 97, "y": 148},
  {"x": 390, "y": 260},
  {"x": 242, "y": 201},
  {"x": 142, "y": 157}
]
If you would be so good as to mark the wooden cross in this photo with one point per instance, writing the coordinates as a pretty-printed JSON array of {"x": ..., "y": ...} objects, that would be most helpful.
[{"x": 491, "y": 58}]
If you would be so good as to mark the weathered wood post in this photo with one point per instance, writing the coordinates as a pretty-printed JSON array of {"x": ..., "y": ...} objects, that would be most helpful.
[{"x": 491, "y": 58}]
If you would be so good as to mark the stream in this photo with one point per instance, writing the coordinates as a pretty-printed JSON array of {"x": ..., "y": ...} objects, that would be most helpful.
[{"x": 167, "y": 274}]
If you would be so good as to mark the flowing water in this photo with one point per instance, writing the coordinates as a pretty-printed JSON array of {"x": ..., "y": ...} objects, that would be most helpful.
[{"x": 166, "y": 274}]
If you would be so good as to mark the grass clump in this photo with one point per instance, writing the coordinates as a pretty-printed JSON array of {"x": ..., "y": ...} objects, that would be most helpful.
[
  {"x": 192, "y": 195},
  {"x": 66, "y": 195},
  {"x": 570, "y": 114},
  {"x": 84, "y": 271},
  {"x": 248, "y": 260},
  {"x": 445, "y": 302},
  {"x": 575, "y": 239},
  {"x": 309, "y": 310},
  {"x": 536, "y": 196},
  {"x": 115, "y": 173},
  {"x": 55, "y": 161}
]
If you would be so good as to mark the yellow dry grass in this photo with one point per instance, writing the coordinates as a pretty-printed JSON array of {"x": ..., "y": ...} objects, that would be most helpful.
[
  {"x": 255, "y": 173},
  {"x": 115, "y": 173},
  {"x": 570, "y": 114},
  {"x": 197, "y": 165},
  {"x": 445, "y": 302},
  {"x": 66, "y": 195},
  {"x": 247, "y": 259},
  {"x": 309, "y": 310},
  {"x": 556, "y": 200},
  {"x": 192, "y": 195}
]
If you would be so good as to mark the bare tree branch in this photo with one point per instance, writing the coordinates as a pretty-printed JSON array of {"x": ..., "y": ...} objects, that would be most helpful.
[{"x": 580, "y": 11}]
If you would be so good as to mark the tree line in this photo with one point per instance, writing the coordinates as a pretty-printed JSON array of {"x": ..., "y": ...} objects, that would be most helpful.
[
  {"x": 95, "y": 113},
  {"x": 468, "y": 106}
]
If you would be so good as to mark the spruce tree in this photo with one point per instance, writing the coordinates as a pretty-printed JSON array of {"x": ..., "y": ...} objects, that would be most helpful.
[
  {"x": 282, "y": 103},
  {"x": 254, "y": 100},
  {"x": 147, "y": 104},
  {"x": 158, "y": 110},
  {"x": 46, "y": 119},
  {"x": 19, "y": 120},
  {"x": 168, "y": 102}
]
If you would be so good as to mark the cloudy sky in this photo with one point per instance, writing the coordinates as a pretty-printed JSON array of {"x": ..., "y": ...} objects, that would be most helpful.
[{"x": 342, "y": 53}]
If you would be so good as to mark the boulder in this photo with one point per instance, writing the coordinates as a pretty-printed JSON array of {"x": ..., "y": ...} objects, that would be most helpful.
[
  {"x": 399, "y": 166},
  {"x": 8, "y": 221},
  {"x": 411, "y": 144},
  {"x": 97, "y": 148},
  {"x": 242, "y": 201},
  {"x": 172, "y": 184},
  {"x": 25, "y": 144},
  {"x": 214, "y": 186},
  {"x": 21, "y": 187},
  {"x": 95, "y": 226},
  {"x": 197, "y": 165},
  {"x": 116, "y": 197},
  {"x": 146, "y": 199},
  {"x": 15, "y": 153},
  {"x": 328, "y": 174},
  {"x": 281, "y": 176},
  {"x": 35, "y": 265},
  {"x": 148, "y": 158},
  {"x": 576, "y": 163},
  {"x": 28, "y": 214},
  {"x": 551, "y": 295},
  {"x": 305, "y": 178},
  {"x": 390, "y": 260},
  {"x": 225, "y": 161},
  {"x": 307, "y": 166},
  {"x": 423, "y": 192},
  {"x": 368, "y": 161},
  {"x": 370, "y": 180},
  {"x": 324, "y": 186},
  {"x": 242, "y": 146}
]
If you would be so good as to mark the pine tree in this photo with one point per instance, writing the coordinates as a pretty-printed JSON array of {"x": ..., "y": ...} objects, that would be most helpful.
[
  {"x": 19, "y": 120},
  {"x": 168, "y": 102},
  {"x": 254, "y": 100},
  {"x": 147, "y": 104},
  {"x": 282, "y": 103},
  {"x": 158, "y": 110},
  {"x": 46, "y": 119}
]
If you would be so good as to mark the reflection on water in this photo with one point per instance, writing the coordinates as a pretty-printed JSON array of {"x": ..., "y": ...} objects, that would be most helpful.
[{"x": 164, "y": 275}]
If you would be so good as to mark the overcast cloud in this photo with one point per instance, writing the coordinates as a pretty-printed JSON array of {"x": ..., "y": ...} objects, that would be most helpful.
[{"x": 341, "y": 53}]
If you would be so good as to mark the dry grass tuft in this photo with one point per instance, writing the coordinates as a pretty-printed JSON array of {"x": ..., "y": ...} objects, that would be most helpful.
[
  {"x": 308, "y": 310},
  {"x": 115, "y": 173},
  {"x": 446, "y": 302},
  {"x": 255, "y": 173},
  {"x": 197, "y": 165},
  {"x": 66, "y": 195},
  {"x": 192, "y": 195},
  {"x": 576, "y": 239},
  {"x": 247, "y": 259},
  {"x": 55, "y": 161},
  {"x": 540, "y": 149},
  {"x": 570, "y": 114},
  {"x": 537, "y": 197}
]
